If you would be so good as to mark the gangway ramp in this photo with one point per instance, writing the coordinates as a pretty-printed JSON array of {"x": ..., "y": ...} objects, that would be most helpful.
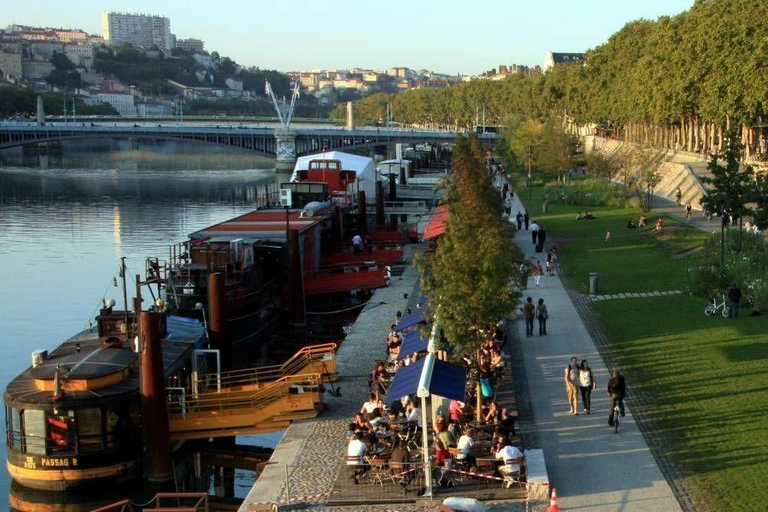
[
  {"x": 255, "y": 400},
  {"x": 231, "y": 413}
]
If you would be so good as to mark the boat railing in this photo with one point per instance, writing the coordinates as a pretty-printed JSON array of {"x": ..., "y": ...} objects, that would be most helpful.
[
  {"x": 322, "y": 356},
  {"x": 250, "y": 400}
]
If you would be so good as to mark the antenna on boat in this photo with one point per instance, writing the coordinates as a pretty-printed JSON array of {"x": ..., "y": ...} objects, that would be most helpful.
[
  {"x": 125, "y": 294},
  {"x": 284, "y": 109}
]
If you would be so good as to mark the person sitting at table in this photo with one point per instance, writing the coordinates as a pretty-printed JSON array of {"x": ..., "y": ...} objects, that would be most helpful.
[
  {"x": 397, "y": 463},
  {"x": 465, "y": 444},
  {"x": 393, "y": 344},
  {"x": 396, "y": 408},
  {"x": 370, "y": 405},
  {"x": 512, "y": 458},
  {"x": 414, "y": 413},
  {"x": 376, "y": 419},
  {"x": 380, "y": 378},
  {"x": 442, "y": 432},
  {"x": 493, "y": 414},
  {"x": 361, "y": 424},
  {"x": 356, "y": 451},
  {"x": 497, "y": 361},
  {"x": 507, "y": 422}
]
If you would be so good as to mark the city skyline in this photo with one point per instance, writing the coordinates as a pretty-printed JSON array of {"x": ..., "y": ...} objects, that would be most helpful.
[{"x": 340, "y": 35}]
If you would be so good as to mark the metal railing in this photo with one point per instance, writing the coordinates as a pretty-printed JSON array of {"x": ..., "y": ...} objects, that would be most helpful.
[
  {"x": 249, "y": 400},
  {"x": 319, "y": 357}
]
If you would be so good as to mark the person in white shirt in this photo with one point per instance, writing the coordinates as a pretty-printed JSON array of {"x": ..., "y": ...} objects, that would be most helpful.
[
  {"x": 465, "y": 444},
  {"x": 511, "y": 457},
  {"x": 371, "y": 405},
  {"x": 356, "y": 451},
  {"x": 414, "y": 413},
  {"x": 357, "y": 243},
  {"x": 534, "y": 229}
]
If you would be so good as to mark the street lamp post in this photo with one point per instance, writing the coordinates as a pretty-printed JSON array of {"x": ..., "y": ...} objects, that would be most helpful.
[{"x": 530, "y": 154}]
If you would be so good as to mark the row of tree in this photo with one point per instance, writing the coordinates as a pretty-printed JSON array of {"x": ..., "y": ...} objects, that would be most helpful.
[
  {"x": 14, "y": 100},
  {"x": 468, "y": 277},
  {"x": 678, "y": 82}
]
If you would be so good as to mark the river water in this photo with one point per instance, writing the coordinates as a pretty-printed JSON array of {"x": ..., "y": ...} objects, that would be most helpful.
[{"x": 67, "y": 218}]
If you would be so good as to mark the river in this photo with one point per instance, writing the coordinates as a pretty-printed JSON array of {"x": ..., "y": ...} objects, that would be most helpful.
[{"x": 67, "y": 218}]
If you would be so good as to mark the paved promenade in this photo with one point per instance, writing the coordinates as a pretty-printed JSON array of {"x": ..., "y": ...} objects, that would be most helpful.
[{"x": 591, "y": 467}]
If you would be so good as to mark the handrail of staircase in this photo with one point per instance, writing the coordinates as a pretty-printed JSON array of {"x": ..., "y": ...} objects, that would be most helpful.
[
  {"x": 219, "y": 401},
  {"x": 264, "y": 374}
]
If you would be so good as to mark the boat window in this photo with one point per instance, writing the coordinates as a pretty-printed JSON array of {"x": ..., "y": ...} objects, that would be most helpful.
[
  {"x": 34, "y": 431},
  {"x": 61, "y": 431},
  {"x": 89, "y": 430},
  {"x": 115, "y": 423},
  {"x": 13, "y": 427}
]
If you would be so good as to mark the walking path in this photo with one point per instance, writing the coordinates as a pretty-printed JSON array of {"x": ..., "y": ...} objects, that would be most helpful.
[
  {"x": 634, "y": 295},
  {"x": 591, "y": 467}
]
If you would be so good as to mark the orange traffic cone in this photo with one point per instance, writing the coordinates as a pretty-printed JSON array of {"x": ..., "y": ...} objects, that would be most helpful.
[{"x": 553, "y": 506}]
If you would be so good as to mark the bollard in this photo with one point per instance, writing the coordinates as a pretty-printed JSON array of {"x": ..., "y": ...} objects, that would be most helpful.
[{"x": 594, "y": 279}]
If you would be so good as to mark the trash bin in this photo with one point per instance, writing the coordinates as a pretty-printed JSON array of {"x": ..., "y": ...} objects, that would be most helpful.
[
  {"x": 594, "y": 278},
  {"x": 544, "y": 207}
]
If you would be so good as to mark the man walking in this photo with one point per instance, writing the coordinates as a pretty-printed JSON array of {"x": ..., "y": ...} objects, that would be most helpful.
[
  {"x": 534, "y": 232},
  {"x": 526, "y": 218},
  {"x": 572, "y": 385},
  {"x": 734, "y": 296},
  {"x": 529, "y": 311},
  {"x": 519, "y": 218}
]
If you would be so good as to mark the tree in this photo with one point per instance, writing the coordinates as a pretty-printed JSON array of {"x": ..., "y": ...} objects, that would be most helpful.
[
  {"x": 467, "y": 278},
  {"x": 556, "y": 148},
  {"x": 730, "y": 188},
  {"x": 64, "y": 74}
]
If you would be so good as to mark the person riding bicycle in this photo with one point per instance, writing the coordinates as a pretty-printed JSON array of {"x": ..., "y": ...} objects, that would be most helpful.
[{"x": 617, "y": 390}]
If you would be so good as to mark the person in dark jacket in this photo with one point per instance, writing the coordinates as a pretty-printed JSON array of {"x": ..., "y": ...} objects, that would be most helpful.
[
  {"x": 734, "y": 296},
  {"x": 617, "y": 390}
]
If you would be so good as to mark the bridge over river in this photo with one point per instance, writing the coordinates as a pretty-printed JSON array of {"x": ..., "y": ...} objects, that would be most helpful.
[{"x": 271, "y": 142}]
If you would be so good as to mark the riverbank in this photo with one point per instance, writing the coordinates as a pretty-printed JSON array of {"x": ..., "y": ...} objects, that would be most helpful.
[{"x": 311, "y": 453}]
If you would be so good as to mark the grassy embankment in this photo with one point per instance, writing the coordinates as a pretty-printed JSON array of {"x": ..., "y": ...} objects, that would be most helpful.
[{"x": 707, "y": 375}]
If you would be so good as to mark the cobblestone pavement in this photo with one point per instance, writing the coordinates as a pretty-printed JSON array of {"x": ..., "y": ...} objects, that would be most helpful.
[
  {"x": 634, "y": 295},
  {"x": 323, "y": 448}
]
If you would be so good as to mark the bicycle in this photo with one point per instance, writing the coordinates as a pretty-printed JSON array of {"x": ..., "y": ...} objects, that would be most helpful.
[
  {"x": 616, "y": 414},
  {"x": 713, "y": 306}
]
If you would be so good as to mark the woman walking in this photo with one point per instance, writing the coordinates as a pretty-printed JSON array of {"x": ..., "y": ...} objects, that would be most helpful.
[
  {"x": 586, "y": 384},
  {"x": 537, "y": 272},
  {"x": 542, "y": 315}
]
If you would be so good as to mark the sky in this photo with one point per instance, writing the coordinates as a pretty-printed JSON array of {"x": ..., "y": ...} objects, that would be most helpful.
[{"x": 440, "y": 35}]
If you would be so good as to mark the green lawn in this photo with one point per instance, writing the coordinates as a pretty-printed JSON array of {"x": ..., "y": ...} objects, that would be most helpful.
[
  {"x": 708, "y": 375},
  {"x": 708, "y": 378},
  {"x": 637, "y": 260}
]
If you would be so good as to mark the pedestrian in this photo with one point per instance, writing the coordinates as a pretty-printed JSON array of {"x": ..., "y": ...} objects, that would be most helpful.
[
  {"x": 357, "y": 243},
  {"x": 688, "y": 210},
  {"x": 541, "y": 316},
  {"x": 678, "y": 195},
  {"x": 526, "y": 218},
  {"x": 537, "y": 273},
  {"x": 734, "y": 296},
  {"x": 608, "y": 237},
  {"x": 659, "y": 225},
  {"x": 529, "y": 310},
  {"x": 519, "y": 219},
  {"x": 572, "y": 385},
  {"x": 617, "y": 390},
  {"x": 587, "y": 383},
  {"x": 534, "y": 232}
]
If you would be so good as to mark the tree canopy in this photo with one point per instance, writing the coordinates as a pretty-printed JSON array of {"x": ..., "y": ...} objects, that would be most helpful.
[
  {"x": 468, "y": 277},
  {"x": 677, "y": 82}
]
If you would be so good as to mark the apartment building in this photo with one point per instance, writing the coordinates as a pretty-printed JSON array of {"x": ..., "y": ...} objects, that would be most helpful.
[{"x": 142, "y": 30}]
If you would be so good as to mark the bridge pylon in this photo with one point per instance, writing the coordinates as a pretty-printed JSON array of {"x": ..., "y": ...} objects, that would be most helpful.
[{"x": 286, "y": 150}]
